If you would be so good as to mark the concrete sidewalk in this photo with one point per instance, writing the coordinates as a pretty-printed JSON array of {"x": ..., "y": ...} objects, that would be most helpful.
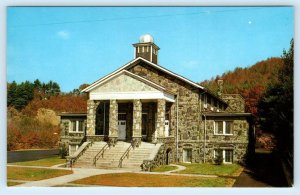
[
  {"x": 77, "y": 174},
  {"x": 80, "y": 173}
]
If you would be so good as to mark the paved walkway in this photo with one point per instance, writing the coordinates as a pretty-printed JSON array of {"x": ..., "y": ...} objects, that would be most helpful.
[
  {"x": 78, "y": 173},
  {"x": 264, "y": 171}
]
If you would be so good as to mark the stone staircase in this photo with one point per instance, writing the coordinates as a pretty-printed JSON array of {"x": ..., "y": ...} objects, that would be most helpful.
[
  {"x": 86, "y": 160},
  {"x": 111, "y": 156},
  {"x": 137, "y": 155}
]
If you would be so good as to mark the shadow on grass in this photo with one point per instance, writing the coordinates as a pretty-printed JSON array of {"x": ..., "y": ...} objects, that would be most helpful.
[{"x": 264, "y": 167}]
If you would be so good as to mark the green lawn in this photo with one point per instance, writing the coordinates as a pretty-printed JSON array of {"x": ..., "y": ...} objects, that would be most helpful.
[
  {"x": 13, "y": 183},
  {"x": 210, "y": 169},
  {"x": 46, "y": 162},
  {"x": 34, "y": 174},
  {"x": 151, "y": 180},
  {"x": 164, "y": 168}
]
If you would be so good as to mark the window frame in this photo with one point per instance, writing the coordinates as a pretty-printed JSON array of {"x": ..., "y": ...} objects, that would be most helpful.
[
  {"x": 224, "y": 127},
  {"x": 77, "y": 125},
  {"x": 224, "y": 155},
  {"x": 70, "y": 148},
  {"x": 189, "y": 152}
]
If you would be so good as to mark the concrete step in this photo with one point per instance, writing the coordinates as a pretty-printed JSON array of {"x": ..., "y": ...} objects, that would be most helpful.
[{"x": 112, "y": 155}]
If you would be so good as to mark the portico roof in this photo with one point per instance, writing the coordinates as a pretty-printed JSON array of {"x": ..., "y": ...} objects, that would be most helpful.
[
  {"x": 133, "y": 62},
  {"x": 125, "y": 85}
]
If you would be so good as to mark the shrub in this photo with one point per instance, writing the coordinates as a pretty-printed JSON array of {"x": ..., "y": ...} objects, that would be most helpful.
[
  {"x": 219, "y": 157},
  {"x": 63, "y": 151}
]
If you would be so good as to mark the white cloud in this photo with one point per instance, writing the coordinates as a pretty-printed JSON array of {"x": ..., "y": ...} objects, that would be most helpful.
[{"x": 63, "y": 34}]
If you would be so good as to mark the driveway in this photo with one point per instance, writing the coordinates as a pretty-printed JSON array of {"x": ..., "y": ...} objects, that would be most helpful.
[{"x": 264, "y": 171}]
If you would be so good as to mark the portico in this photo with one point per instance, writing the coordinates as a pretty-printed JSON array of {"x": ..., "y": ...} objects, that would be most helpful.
[{"x": 128, "y": 107}]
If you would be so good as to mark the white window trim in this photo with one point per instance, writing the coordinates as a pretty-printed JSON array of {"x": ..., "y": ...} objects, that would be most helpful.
[
  {"x": 224, "y": 128},
  {"x": 225, "y": 158},
  {"x": 223, "y": 155},
  {"x": 76, "y": 148},
  {"x": 183, "y": 160},
  {"x": 77, "y": 126}
]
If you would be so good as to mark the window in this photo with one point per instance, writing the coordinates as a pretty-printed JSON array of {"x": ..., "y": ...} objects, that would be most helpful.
[
  {"x": 138, "y": 49},
  {"x": 72, "y": 148},
  {"x": 219, "y": 127},
  {"x": 223, "y": 127},
  {"x": 228, "y": 127},
  {"x": 147, "y": 48},
  {"x": 143, "y": 49},
  {"x": 227, "y": 155},
  {"x": 77, "y": 126},
  {"x": 187, "y": 155}
]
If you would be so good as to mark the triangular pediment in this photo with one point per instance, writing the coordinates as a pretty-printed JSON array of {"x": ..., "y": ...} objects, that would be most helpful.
[{"x": 126, "y": 82}]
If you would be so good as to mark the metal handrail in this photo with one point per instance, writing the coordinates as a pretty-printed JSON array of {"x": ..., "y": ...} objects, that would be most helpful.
[
  {"x": 100, "y": 153},
  {"x": 126, "y": 154},
  {"x": 72, "y": 159}
]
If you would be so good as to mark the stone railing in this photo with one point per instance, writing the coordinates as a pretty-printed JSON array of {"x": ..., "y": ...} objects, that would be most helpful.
[
  {"x": 156, "y": 158},
  {"x": 72, "y": 159}
]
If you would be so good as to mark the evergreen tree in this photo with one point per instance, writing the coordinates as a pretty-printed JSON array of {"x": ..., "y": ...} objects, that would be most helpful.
[
  {"x": 11, "y": 93},
  {"x": 276, "y": 109}
]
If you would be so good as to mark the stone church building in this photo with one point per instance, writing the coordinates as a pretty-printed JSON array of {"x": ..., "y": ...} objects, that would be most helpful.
[{"x": 144, "y": 115}]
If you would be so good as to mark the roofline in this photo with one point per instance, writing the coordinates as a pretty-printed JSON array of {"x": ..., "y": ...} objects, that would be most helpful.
[
  {"x": 130, "y": 74},
  {"x": 114, "y": 72},
  {"x": 153, "y": 44},
  {"x": 87, "y": 89},
  {"x": 234, "y": 94},
  {"x": 215, "y": 96}
]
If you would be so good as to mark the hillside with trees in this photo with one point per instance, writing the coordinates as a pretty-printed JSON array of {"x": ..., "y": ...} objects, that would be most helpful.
[
  {"x": 276, "y": 112},
  {"x": 251, "y": 82},
  {"x": 32, "y": 113},
  {"x": 267, "y": 88}
]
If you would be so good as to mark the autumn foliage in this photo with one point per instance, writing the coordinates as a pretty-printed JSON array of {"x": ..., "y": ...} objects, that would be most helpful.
[
  {"x": 61, "y": 103},
  {"x": 25, "y": 132},
  {"x": 32, "y": 113},
  {"x": 250, "y": 82}
]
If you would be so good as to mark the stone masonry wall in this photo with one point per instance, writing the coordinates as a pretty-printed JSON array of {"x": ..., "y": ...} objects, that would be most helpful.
[
  {"x": 236, "y": 102},
  {"x": 190, "y": 122},
  {"x": 113, "y": 122},
  {"x": 91, "y": 116},
  {"x": 67, "y": 137},
  {"x": 160, "y": 123},
  {"x": 124, "y": 83},
  {"x": 188, "y": 98},
  {"x": 137, "y": 123}
]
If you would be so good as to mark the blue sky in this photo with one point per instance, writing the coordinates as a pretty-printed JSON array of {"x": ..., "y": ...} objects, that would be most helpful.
[{"x": 76, "y": 45}]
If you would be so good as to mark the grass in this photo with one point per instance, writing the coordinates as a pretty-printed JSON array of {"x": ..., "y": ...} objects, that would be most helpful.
[
  {"x": 46, "y": 162},
  {"x": 164, "y": 168},
  {"x": 210, "y": 169},
  {"x": 34, "y": 174},
  {"x": 13, "y": 183},
  {"x": 151, "y": 180}
]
